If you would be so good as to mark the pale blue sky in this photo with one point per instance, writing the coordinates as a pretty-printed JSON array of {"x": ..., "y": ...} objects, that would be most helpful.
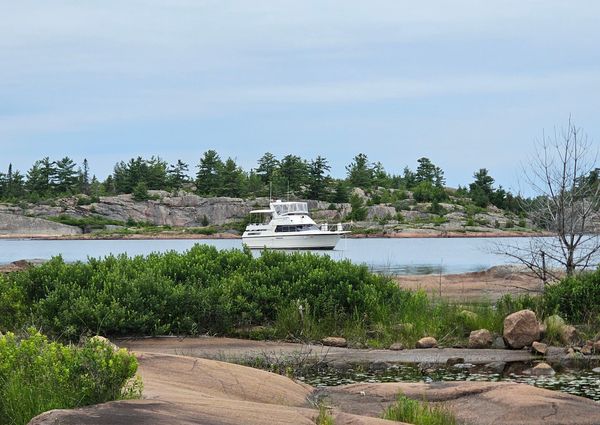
[{"x": 468, "y": 84}]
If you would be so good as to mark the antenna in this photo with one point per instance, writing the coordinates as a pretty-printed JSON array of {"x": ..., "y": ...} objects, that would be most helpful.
[
  {"x": 288, "y": 190},
  {"x": 270, "y": 191}
]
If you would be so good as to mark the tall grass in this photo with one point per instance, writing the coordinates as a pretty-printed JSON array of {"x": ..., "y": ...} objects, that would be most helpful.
[{"x": 418, "y": 413}]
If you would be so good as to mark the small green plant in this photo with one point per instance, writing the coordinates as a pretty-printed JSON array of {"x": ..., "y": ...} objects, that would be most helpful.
[
  {"x": 324, "y": 417},
  {"x": 204, "y": 221},
  {"x": 418, "y": 413},
  {"x": 554, "y": 329},
  {"x": 140, "y": 192}
]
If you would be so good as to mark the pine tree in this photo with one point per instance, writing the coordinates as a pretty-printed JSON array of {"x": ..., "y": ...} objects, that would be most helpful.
[
  {"x": 207, "y": 178},
  {"x": 360, "y": 173},
  {"x": 317, "y": 178}
]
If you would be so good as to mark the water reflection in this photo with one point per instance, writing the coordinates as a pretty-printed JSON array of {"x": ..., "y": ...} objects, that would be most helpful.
[{"x": 391, "y": 256}]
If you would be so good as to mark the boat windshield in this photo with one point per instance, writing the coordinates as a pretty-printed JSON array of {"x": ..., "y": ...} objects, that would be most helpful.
[{"x": 285, "y": 208}]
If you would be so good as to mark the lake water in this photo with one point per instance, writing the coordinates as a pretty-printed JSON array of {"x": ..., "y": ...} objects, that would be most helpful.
[{"x": 394, "y": 256}]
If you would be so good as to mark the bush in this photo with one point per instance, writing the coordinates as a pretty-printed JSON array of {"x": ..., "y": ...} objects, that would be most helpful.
[
  {"x": 359, "y": 212},
  {"x": 85, "y": 223},
  {"x": 575, "y": 298},
  {"x": 427, "y": 192},
  {"x": 198, "y": 291},
  {"x": 37, "y": 375}
]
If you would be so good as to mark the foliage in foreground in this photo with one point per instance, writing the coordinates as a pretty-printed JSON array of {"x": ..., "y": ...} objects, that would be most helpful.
[
  {"x": 576, "y": 298},
  {"x": 37, "y": 375},
  {"x": 206, "y": 290},
  {"x": 418, "y": 413}
]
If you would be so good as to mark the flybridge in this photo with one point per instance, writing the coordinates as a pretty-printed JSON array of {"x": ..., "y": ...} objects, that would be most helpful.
[{"x": 289, "y": 208}]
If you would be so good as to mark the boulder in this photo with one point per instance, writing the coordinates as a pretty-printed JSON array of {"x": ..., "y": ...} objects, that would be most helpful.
[
  {"x": 499, "y": 343},
  {"x": 481, "y": 338},
  {"x": 542, "y": 369},
  {"x": 569, "y": 335},
  {"x": 30, "y": 226},
  {"x": 596, "y": 370},
  {"x": 427, "y": 342},
  {"x": 397, "y": 346},
  {"x": 555, "y": 354},
  {"x": 105, "y": 341},
  {"x": 539, "y": 347},
  {"x": 376, "y": 212},
  {"x": 454, "y": 361},
  {"x": 497, "y": 367},
  {"x": 335, "y": 341},
  {"x": 521, "y": 329}
]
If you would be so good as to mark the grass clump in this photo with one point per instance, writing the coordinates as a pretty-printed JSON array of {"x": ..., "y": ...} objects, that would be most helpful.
[
  {"x": 37, "y": 375},
  {"x": 418, "y": 413},
  {"x": 324, "y": 417}
]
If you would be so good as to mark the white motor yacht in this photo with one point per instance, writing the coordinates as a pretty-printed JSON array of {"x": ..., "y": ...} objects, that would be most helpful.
[{"x": 290, "y": 227}]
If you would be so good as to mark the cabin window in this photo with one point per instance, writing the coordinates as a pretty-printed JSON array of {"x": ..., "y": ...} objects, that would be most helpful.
[{"x": 296, "y": 228}]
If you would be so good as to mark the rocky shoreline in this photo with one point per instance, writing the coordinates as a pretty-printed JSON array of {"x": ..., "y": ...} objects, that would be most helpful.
[
  {"x": 181, "y": 235},
  {"x": 188, "y": 387},
  {"x": 186, "y": 215}
]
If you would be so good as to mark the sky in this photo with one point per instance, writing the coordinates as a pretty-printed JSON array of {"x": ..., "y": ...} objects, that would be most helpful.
[{"x": 469, "y": 84}]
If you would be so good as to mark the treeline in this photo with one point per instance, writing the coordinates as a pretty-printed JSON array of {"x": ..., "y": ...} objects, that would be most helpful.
[{"x": 288, "y": 176}]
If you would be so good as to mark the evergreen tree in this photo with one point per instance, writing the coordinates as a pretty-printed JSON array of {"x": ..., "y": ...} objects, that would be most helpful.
[
  {"x": 292, "y": 174},
  {"x": 65, "y": 178},
  {"x": 178, "y": 174},
  {"x": 84, "y": 178},
  {"x": 380, "y": 177},
  {"x": 232, "y": 180},
  {"x": 360, "y": 174},
  {"x": 40, "y": 177},
  {"x": 341, "y": 192},
  {"x": 428, "y": 172},
  {"x": 481, "y": 190},
  {"x": 317, "y": 178},
  {"x": 254, "y": 185},
  {"x": 267, "y": 165},
  {"x": 207, "y": 178},
  {"x": 152, "y": 172}
]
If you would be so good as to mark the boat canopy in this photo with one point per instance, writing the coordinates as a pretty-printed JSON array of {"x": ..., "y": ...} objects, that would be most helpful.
[
  {"x": 286, "y": 208},
  {"x": 261, "y": 212}
]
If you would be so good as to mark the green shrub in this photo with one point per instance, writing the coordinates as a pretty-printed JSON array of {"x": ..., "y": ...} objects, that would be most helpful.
[
  {"x": 427, "y": 192},
  {"x": 299, "y": 295},
  {"x": 85, "y": 223},
  {"x": 37, "y": 375},
  {"x": 418, "y": 413},
  {"x": 359, "y": 212},
  {"x": 576, "y": 298}
]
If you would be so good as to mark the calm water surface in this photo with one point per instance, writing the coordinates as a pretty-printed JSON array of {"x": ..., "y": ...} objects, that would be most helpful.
[
  {"x": 397, "y": 256},
  {"x": 582, "y": 382}
]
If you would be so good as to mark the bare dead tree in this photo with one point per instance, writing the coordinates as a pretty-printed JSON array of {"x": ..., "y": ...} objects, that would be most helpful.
[{"x": 563, "y": 174}]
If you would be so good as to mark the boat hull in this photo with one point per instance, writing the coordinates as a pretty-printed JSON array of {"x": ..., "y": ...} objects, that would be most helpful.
[{"x": 325, "y": 240}]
